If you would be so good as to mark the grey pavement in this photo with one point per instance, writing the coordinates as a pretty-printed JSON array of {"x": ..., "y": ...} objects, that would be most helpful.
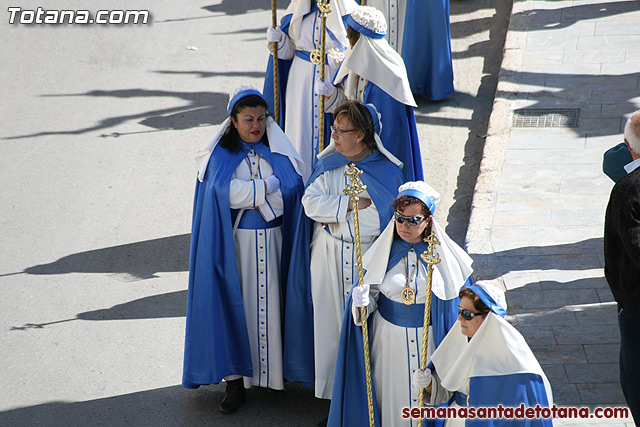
[
  {"x": 100, "y": 124},
  {"x": 538, "y": 208}
]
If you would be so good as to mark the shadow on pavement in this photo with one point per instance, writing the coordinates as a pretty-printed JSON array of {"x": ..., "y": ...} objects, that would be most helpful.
[
  {"x": 240, "y": 7},
  {"x": 200, "y": 109},
  {"x": 133, "y": 261},
  {"x": 479, "y": 103},
  {"x": 172, "y": 304},
  {"x": 555, "y": 19},
  {"x": 582, "y": 255},
  {"x": 176, "y": 406}
]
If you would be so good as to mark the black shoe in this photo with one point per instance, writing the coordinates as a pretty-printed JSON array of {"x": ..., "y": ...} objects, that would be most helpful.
[{"x": 235, "y": 396}]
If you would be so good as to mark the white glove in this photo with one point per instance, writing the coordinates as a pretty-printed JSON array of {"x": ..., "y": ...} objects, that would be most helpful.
[
  {"x": 360, "y": 295},
  {"x": 323, "y": 88},
  {"x": 274, "y": 35},
  {"x": 272, "y": 183},
  {"x": 421, "y": 379}
]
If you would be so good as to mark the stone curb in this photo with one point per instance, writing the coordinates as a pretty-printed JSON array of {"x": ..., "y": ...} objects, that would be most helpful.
[{"x": 485, "y": 195}]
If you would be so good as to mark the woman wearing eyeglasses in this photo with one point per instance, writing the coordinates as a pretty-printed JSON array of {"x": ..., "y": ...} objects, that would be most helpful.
[
  {"x": 316, "y": 312},
  {"x": 485, "y": 362},
  {"x": 395, "y": 295}
]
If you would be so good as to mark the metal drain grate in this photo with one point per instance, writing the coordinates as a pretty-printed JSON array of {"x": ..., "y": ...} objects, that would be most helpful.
[{"x": 546, "y": 118}]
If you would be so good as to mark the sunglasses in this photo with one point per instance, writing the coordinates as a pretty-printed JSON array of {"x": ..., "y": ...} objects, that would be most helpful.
[
  {"x": 412, "y": 220},
  {"x": 467, "y": 314}
]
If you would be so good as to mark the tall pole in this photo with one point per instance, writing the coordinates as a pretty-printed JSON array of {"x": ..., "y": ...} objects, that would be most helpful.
[
  {"x": 430, "y": 259},
  {"x": 276, "y": 91},
  {"x": 319, "y": 58},
  {"x": 354, "y": 190}
]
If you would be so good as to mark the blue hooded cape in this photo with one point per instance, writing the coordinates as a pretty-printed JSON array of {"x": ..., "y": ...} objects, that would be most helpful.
[
  {"x": 216, "y": 339},
  {"x": 382, "y": 179},
  {"x": 349, "y": 396}
]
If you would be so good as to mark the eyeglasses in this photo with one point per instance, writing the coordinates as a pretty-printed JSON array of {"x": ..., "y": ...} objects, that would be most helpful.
[
  {"x": 412, "y": 220},
  {"x": 340, "y": 131},
  {"x": 467, "y": 314}
]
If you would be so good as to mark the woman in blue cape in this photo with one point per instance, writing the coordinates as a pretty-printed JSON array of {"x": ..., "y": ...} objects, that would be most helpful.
[
  {"x": 317, "y": 310},
  {"x": 247, "y": 192},
  {"x": 485, "y": 362},
  {"x": 373, "y": 73},
  {"x": 394, "y": 293},
  {"x": 419, "y": 30}
]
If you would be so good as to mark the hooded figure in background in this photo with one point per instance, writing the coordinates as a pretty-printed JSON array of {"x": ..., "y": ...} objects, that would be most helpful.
[
  {"x": 420, "y": 31},
  {"x": 297, "y": 37},
  {"x": 373, "y": 73}
]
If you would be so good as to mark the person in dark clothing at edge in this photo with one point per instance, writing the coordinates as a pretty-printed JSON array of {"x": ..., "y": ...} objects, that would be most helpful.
[{"x": 622, "y": 264}]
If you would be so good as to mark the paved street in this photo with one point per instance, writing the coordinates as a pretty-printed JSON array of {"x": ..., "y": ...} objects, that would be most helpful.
[
  {"x": 100, "y": 127},
  {"x": 539, "y": 205}
]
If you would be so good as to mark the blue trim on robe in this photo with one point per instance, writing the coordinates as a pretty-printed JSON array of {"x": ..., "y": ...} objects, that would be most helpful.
[
  {"x": 349, "y": 396},
  {"x": 347, "y": 407},
  {"x": 284, "y": 66},
  {"x": 444, "y": 313},
  {"x": 399, "y": 133},
  {"x": 382, "y": 179},
  {"x": 426, "y": 48},
  {"x": 216, "y": 339},
  {"x": 510, "y": 391}
]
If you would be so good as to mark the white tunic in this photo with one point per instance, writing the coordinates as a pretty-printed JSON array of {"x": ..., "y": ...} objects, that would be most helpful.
[
  {"x": 258, "y": 256},
  {"x": 396, "y": 350},
  {"x": 394, "y": 12},
  {"x": 301, "y": 116},
  {"x": 333, "y": 265}
]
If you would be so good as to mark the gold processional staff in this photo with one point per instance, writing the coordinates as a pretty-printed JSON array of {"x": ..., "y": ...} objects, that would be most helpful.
[
  {"x": 353, "y": 190},
  {"x": 318, "y": 57},
  {"x": 276, "y": 92},
  {"x": 430, "y": 259}
]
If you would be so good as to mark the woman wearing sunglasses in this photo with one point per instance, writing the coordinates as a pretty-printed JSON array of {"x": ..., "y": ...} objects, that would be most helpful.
[
  {"x": 485, "y": 362},
  {"x": 395, "y": 295}
]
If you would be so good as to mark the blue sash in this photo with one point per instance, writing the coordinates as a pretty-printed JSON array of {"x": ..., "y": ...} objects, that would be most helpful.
[
  {"x": 408, "y": 316},
  {"x": 303, "y": 54},
  {"x": 252, "y": 219}
]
